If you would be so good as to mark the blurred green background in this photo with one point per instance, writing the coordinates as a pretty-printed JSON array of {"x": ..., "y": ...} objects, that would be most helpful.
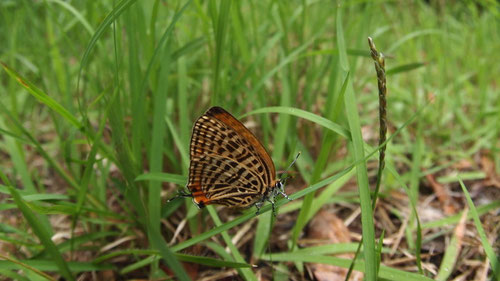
[{"x": 97, "y": 101}]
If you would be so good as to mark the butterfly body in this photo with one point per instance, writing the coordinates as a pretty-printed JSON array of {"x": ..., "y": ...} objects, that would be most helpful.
[{"x": 228, "y": 164}]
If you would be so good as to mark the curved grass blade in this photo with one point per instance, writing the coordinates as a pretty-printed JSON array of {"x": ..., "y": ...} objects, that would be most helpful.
[
  {"x": 405, "y": 68},
  {"x": 110, "y": 18},
  {"x": 305, "y": 115},
  {"x": 25, "y": 266},
  {"x": 385, "y": 272},
  {"x": 76, "y": 14},
  {"x": 163, "y": 177},
  {"x": 40, "y": 231},
  {"x": 182, "y": 257},
  {"x": 350, "y": 103},
  {"x": 490, "y": 253},
  {"x": 43, "y": 97},
  {"x": 245, "y": 272}
]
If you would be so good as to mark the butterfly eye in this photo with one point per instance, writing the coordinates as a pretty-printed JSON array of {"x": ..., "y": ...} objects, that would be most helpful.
[{"x": 279, "y": 185}]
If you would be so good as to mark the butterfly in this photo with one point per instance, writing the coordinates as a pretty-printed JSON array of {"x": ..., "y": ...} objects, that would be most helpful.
[{"x": 228, "y": 164}]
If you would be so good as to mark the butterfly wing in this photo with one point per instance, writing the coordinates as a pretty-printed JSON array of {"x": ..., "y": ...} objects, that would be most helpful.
[
  {"x": 229, "y": 166},
  {"x": 228, "y": 183}
]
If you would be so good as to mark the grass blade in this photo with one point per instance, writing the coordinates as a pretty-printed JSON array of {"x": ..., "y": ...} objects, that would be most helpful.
[
  {"x": 358, "y": 152},
  {"x": 41, "y": 232},
  {"x": 43, "y": 97},
  {"x": 490, "y": 253}
]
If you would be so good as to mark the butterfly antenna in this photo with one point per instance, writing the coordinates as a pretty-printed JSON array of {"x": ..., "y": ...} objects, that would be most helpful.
[{"x": 283, "y": 179}]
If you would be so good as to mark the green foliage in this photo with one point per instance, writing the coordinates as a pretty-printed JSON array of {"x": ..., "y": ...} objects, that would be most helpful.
[{"x": 97, "y": 100}]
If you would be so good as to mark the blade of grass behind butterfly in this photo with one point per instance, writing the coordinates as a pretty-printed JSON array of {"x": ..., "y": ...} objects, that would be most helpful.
[
  {"x": 352, "y": 115},
  {"x": 124, "y": 159},
  {"x": 156, "y": 57},
  {"x": 183, "y": 151},
  {"x": 332, "y": 108},
  {"x": 239, "y": 30},
  {"x": 220, "y": 23},
  {"x": 119, "y": 8},
  {"x": 293, "y": 56},
  {"x": 63, "y": 92},
  {"x": 264, "y": 225},
  {"x": 184, "y": 118},
  {"x": 305, "y": 115},
  {"x": 245, "y": 272},
  {"x": 156, "y": 164},
  {"x": 89, "y": 168},
  {"x": 181, "y": 146},
  {"x": 135, "y": 37}
]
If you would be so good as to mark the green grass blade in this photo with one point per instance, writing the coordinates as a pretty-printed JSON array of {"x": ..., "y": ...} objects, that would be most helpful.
[
  {"x": 405, "y": 68},
  {"x": 156, "y": 164},
  {"x": 220, "y": 35},
  {"x": 159, "y": 48},
  {"x": 385, "y": 272},
  {"x": 41, "y": 232},
  {"x": 181, "y": 257},
  {"x": 110, "y": 18},
  {"x": 326, "y": 145},
  {"x": 305, "y": 115},
  {"x": 74, "y": 11},
  {"x": 490, "y": 253},
  {"x": 245, "y": 272},
  {"x": 43, "y": 97},
  {"x": 181, "y": 144},
  {"x": 158, "y": 243},
  {"x": 163, "y": 177},
  {"x": 49, "y": 265},
  {"x": 62, "y": 172},
  {"x": 211, "y": 262},
  {"x": 481, "y": 210},
  {"x": 358, "y": 153},
  {"x": 451, "y": 253},
  {"x": 24, "y": 266}
]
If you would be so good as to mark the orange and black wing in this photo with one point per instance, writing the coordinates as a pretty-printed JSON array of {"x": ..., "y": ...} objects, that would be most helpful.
[{"x": 229, "y": 166}]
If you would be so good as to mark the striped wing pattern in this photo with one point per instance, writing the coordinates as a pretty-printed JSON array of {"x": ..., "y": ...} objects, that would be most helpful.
[{"x": 229, "y": 166}]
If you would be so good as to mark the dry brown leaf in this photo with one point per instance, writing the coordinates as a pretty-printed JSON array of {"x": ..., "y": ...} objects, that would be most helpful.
[
  {"x": 327, "y": 227},
  {"x": 442, "y": 195},
  {"x": 488, "y": 166}
]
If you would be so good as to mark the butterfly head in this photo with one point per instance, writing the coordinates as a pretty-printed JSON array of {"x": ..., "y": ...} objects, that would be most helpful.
[{"x": 279, "y": 185}]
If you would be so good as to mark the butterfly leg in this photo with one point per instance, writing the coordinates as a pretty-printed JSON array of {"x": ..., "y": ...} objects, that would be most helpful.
[
  {"x": 286, "y": 196},
  {"x": 270, "y": 200},
  {"x": 282, "y": 192},
  {"x": 259, "y": 204}
]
